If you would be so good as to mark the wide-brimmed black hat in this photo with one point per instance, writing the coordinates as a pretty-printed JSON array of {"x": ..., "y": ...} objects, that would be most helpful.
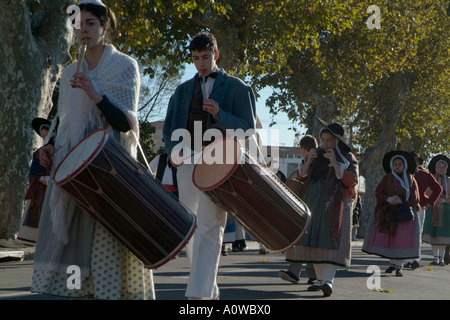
[
  {"x": 435, "y": 160},
  {"x": 409, "y": 159},
  {"x": 415, "y": 154},
  {"x": 37, "y": 124},
  {"x": 338, "y": 131}
]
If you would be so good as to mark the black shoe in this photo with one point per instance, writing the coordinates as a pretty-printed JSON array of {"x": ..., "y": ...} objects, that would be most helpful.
[
  {"x": 315, "y": 287},
  {"x": 224, "y": 251},
  {"x": 288, "y": 276},
  {"x": 407, "y": 265},
  {"x": 415, "y": 265},
  {"x": 399, "y": 273},
  {"x": 390, "y": 269},
  {"x": 327, "y": 289}
]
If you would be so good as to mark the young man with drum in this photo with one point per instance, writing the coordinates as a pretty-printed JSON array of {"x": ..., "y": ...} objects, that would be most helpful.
[{"x": 211, "y": 99}]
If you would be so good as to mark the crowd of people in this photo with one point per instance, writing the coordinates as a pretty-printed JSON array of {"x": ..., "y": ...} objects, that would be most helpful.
[{"x": 412, "y": 204}]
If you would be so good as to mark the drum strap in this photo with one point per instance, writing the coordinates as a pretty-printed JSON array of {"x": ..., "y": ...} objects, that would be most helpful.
[
  {"x": 106, "y": 125},
  {"x": 162, "y": 163}
]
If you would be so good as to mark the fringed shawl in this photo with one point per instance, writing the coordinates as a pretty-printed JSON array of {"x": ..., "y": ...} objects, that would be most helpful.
[{"x": 117, "y": 77}]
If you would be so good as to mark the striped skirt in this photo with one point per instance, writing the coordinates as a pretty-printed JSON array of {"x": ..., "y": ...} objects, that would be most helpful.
[{"x": 315, "y": 247}]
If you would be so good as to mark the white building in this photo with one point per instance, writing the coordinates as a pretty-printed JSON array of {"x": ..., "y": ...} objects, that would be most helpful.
[{"x": 289, "y": 157}]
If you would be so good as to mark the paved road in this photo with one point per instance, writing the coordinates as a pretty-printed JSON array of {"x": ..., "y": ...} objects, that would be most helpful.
[{"x": 249, "y": 275}]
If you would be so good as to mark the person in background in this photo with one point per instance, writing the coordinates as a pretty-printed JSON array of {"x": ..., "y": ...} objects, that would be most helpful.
[
  {"x": 330, "y": 174},
  {"x": 356, "y": 217},
  {"x": 307, "y": 143},
  {"x": 37, "y": 185},
  {"x": 436, "y": 229},
  {"x": 388, "y": 235},
  {"x": 429, "y": 191}
]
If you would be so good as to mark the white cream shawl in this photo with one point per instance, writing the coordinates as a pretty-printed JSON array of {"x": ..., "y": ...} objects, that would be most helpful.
[{"x": 117, "y": 77}]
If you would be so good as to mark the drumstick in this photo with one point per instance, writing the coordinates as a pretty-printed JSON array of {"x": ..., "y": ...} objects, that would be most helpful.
[
  {"x": 142, "y": 152},
  {"x": 203, "y": 85},
  {"x": 81, "y": 56}
]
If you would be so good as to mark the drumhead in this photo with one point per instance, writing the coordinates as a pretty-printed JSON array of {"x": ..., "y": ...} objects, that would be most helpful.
[
  {"x": 217, "y": 163},
  {"x": 80, "y": 156}
]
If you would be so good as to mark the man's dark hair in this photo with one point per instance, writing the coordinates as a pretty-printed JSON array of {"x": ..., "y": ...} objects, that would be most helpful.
[
  {"x": 203, "y": 41},
  {"x": 308, "y": 142}
]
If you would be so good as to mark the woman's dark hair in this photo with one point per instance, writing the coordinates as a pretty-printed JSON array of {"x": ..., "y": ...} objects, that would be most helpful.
[{"x": 104, "y": 14}]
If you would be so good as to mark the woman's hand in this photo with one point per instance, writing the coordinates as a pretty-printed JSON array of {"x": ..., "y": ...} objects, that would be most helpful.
[
  {"x": 394, "y": 200},
  {"x": 45, "y": 155},
  {"x": 329, "y": 154},
  {"x": 83, "y": 82}
]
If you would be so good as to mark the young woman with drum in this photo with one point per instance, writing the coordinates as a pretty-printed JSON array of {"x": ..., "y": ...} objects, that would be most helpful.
[
  {"x": 100, "y": 91},
  {"x": 330, "y": 174}
]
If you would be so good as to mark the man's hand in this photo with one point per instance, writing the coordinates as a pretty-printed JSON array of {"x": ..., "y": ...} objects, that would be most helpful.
[
  {"x": 212, "y": 107},
  {"x": 176, "y": 158}
]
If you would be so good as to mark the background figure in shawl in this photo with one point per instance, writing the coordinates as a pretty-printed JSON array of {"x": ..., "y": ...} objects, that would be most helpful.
[
  {"x": 356, "y": 217},
  {"x": 307, "y": 143},
  {"x": 385, "y": 236},
  {"x": 37, "y": 184},
  {"x": 330, "y": 174},
  {"x": 436, "y": 229},
  {"x": 429, "y": 191},
  {"x": 229, "y": 105},
  {"x": 88, "y": 99}
]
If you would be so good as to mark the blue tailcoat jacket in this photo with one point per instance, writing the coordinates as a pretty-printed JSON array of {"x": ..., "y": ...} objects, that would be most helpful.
[{"x": 235, "y": 98}]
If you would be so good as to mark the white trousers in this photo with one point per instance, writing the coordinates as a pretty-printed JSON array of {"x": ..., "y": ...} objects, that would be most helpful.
[
  {"x": 325, "y": 272},
  {"x": 205, "y": 246}
]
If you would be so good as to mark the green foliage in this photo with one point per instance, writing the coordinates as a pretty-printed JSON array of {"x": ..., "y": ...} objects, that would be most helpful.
[
  {"x": 146, "y": 132},
  {"x": 317, "y": 56}
]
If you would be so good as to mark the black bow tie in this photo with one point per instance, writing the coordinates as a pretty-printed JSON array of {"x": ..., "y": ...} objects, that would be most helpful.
[{"x": 211, "y": 75}]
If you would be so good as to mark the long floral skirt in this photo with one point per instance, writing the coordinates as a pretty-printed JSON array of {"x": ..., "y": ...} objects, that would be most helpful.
[{"x": 108, "y": 270}]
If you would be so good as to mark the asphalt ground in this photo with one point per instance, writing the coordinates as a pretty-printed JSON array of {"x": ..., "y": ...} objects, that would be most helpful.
[{"x": 251, "y": 276}]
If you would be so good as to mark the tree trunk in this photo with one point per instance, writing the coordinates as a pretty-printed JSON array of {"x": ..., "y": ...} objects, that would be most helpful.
[
  {"x": 32, "y": 53},
  {"x": 391, "y": 101}
]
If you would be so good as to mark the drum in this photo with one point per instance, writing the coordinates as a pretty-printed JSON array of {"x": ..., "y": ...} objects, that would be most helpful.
[
  {"x": 107, "y": 182},
  {"x": 230, "y": 176}
]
